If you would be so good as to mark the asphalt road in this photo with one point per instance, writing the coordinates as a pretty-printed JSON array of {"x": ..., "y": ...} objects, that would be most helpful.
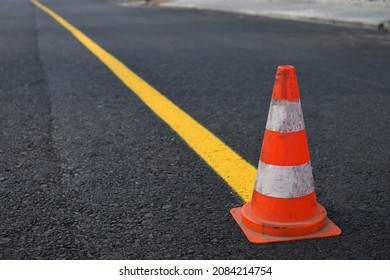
[{"x": 87, "y": 171}]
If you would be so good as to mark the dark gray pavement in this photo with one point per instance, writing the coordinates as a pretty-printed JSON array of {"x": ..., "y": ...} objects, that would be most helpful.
[{"x": 87, "y": 171}]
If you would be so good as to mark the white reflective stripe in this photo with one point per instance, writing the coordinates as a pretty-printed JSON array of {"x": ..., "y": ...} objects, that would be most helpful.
[
  {"x": 284, "y": 181},
  {"x": 285, "y": 116}
]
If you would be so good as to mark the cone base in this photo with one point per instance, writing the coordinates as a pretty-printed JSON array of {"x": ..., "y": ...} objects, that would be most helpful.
[{"x": 328, "y": 230}]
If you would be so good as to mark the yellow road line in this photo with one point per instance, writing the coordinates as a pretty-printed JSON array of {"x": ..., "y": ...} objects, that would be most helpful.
[{"x": 236, "y": 171}]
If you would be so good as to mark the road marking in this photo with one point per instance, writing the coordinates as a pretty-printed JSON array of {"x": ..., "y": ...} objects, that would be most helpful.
[{"x": 235, "y": 170}]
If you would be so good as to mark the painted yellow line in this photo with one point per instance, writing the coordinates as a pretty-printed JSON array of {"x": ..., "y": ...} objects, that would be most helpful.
[{"x": 236, "y": 171}]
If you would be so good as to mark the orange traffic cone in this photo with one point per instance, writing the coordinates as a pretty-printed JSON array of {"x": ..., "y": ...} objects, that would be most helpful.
[{"x": 284, "y": 205}]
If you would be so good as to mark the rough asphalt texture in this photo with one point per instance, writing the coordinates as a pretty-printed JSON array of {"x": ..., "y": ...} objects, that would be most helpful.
[{"x": 87, "y": 171}]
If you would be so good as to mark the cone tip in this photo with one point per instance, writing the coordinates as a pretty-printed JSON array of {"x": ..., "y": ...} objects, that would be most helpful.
[
  {"x": 286, "y": 84},
  {"x": 286, "y": 68}
]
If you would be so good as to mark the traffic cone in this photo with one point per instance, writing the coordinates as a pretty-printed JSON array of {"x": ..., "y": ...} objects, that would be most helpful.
[{"x": 284, "y": 205}]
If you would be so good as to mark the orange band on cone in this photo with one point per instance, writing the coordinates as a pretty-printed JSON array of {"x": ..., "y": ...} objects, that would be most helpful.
[
  {"x": 285, "y": 148},
  {"x": 283, "y": 216},
  {"x": 284, "y": 209}
]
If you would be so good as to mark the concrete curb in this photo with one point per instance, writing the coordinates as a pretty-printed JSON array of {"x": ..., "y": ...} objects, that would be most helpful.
[{"x": 373, "y": 24}]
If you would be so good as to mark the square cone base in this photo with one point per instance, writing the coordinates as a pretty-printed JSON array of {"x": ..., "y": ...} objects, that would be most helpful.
[{"x": 330, "y": 229}]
